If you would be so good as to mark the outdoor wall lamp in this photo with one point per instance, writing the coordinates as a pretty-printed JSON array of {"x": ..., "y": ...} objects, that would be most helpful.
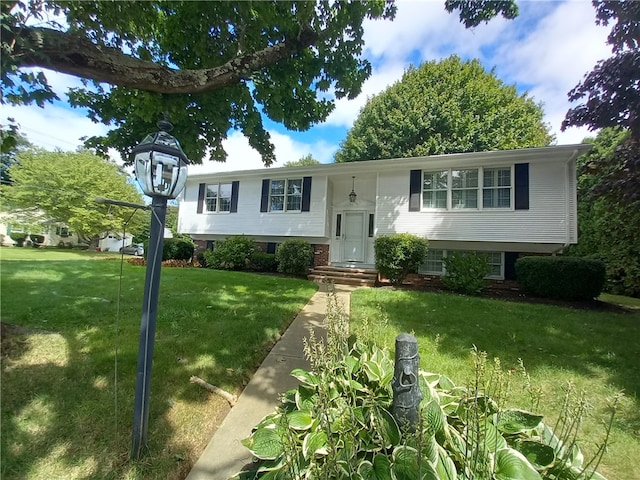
[
  {"x": 161, "y": 171},
  {"x": 353, "y": 195}
]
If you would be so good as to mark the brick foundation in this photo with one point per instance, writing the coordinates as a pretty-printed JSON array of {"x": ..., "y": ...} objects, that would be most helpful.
[{"x": 320, "y": 255}]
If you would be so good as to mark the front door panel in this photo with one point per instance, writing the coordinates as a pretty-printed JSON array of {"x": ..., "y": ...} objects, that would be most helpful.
[{"x": 353, "y": 240}]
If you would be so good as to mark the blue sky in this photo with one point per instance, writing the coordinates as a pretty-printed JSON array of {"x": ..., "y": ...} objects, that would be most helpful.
[{"x": 545, "y": 51}]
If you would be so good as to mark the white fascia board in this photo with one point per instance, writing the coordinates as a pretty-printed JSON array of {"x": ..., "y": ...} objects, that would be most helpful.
[{"x": 537, "y": 154}]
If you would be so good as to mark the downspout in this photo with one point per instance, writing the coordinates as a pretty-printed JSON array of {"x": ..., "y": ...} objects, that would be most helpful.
[{"x": 567, "y": 212}]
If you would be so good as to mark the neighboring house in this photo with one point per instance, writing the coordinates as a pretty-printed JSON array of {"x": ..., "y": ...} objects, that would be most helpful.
[{"x": 504, "y": 203}]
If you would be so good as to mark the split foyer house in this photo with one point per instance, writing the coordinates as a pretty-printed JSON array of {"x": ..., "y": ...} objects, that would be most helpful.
[{"x": 502, "y": 203}]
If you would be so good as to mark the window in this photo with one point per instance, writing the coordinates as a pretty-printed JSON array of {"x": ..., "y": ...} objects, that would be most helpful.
[
  {"x": 62, "y": 231},
  {"x": 460, "y": 189},
  {"x": 464, "y": 188},
  {"x": 434, "y": 189},
  {"x": 285, "y": 195},
  {"x": 434, "y": 264},
  {"x": 218, "y": 197},
  {"x": 496, "y": 188}
]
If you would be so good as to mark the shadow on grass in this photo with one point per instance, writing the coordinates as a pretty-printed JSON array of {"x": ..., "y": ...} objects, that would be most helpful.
[
  {"x": 592, "y": 344},
  {"x": 59, "y": 414}
]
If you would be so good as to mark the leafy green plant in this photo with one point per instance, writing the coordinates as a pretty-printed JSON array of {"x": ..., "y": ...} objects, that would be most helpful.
[
  {"x": 561, "y": 277},
  {"x": 294, "y": 256},
  {"x": 177, "y": 249},
  {"x": 466, "y": 272},
  {"x": 337, "y": 424},
  {"x": 233, "y": 253},
  {"x": 399, "y": 254},
  {"x": 263, "y": 262}
]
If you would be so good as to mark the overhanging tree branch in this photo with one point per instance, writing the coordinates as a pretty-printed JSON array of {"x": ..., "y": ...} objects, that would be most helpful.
[{"x": 74, "y": 54}]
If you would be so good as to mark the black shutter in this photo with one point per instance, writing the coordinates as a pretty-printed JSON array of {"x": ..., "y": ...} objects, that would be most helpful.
[
  {"x": 234, "y": 196},
  {"x": 264, "y": 201},
  {"x": 510, "y": 265},
  {"x": 201, "y": 190},
  {"x": 338, "y": 225},
  {"x": 415, "y": 190},
  {"x": 306, "y": 193},
  {"x": 271, "y": 247},
  {"x": 522, "y": 186}
]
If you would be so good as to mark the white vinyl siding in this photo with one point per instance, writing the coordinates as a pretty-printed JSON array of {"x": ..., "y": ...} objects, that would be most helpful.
[
  {"x": 249, "y": 220},
  {"x": 545, "y": 222}
]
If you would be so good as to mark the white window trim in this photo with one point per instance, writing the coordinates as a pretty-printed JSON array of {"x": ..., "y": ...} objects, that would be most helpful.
[
  {"x": 286, "y": 195},
  {"x": 479, "y": 190},
  {"x": 218, "y": 198}
]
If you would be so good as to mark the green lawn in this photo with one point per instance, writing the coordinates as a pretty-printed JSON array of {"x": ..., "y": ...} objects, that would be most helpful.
[
  {"x": 598, "y": 351},
  {"x": 63, "y": 413}
]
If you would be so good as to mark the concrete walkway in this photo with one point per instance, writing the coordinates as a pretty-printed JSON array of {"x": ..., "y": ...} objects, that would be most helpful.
[{"x": 225, "y": 455}]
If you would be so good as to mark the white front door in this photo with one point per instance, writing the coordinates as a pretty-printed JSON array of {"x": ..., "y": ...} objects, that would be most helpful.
[{"x": 353, "y": 239}]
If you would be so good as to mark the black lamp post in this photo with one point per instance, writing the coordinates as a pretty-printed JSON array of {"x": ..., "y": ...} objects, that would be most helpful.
[{"x": 161, "y": 171}]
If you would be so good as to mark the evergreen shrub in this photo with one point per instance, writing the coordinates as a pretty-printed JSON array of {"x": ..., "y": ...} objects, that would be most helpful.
[
  {"x": 233, "y": 253},
  {"x": 466, "y": 272},
  {"x": 399, "y": 254},
  {"x": 177, "y": 249},
  {"x": 569, "y": 278},
  {"x": 294, "y": 257}
]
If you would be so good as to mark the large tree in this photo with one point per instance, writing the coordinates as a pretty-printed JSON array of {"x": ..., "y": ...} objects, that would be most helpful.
[
  {"x": 609, "y": 96},
  {"x": 213, "y": 66},
  {"x": 450, "y": 106},
  {"x": 607, "y": 228},
  {"x": 64, "y": 186}
]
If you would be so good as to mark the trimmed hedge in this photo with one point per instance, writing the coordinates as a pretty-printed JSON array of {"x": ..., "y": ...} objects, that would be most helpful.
[
  {"x": 263, "y": 262},
  {"x": 399, "y": 254},
  {"x": 569, "y": 278},
  {"x": 177, "y": 249},
  {"x": 233, "y": 253}
]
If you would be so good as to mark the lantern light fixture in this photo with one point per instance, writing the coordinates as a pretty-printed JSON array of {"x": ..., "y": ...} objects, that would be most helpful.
[
  {"x": 160, "y": 164},
  {"x": 353, "y": 195}
]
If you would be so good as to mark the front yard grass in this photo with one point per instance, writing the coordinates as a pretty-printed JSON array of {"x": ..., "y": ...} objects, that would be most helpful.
[
  {"x": 64, "y": 415},
  {"x": 597, "y": 351}
]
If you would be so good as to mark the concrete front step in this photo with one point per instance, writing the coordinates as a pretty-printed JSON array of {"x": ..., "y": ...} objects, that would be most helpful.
[
  {"x": 344, "y": 275},
  {"x": 365, "y": 282}
]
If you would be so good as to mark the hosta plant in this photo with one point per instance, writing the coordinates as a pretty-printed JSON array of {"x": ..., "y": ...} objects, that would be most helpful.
[{"x": 337, "y": 424}]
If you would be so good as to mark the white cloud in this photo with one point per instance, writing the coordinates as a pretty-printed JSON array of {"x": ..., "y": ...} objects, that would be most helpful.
[{"x": 241, "y": 156}]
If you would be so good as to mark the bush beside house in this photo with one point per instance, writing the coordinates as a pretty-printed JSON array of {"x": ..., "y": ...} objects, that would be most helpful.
[
  {"x": 569, "y": 278},
  {"x": 294, "y": 257},
  {"x": 399, "y": 254}
]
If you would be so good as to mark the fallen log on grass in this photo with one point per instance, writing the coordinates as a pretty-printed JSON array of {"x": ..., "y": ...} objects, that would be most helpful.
[{"x": 229, "y": 397}]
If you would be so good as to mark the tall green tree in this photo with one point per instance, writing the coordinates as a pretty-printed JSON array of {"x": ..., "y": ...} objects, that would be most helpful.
[
  {"x": 609, "y": 96},
  {"x": 607, "y": 228},
  {"x": 212, "y": 66},
  {"x": 450, "y": 106},
  {"x": 305, "y": 161},
  {"x": 64, "y": 186}
]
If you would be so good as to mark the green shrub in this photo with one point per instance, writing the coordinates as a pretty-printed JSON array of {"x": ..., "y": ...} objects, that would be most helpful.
[
  {"x": 338, "y": 423},
  {"x": 233, "y": 253},
  {"x": 264, "y": 262},
  {"x": 177, "y": 249},
  {"x": 466, "y": 272},
  {"x": 568, "y": 278},
  {"x": 294, "y": 256},
  {"x": 399, "y": 254}
]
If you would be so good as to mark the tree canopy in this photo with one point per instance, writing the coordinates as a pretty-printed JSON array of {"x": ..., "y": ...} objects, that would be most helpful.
[
  {"x": 212, "y": 66},
  {"x": 450, "y": 106},
  {"x": 305, "y": 161},
  {"x": 64, "y": 185},
  {"x": 607, "y": 228}
]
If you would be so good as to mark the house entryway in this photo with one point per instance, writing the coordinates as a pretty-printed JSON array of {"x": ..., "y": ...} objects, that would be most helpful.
[{"x": 353, "y": 246}]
